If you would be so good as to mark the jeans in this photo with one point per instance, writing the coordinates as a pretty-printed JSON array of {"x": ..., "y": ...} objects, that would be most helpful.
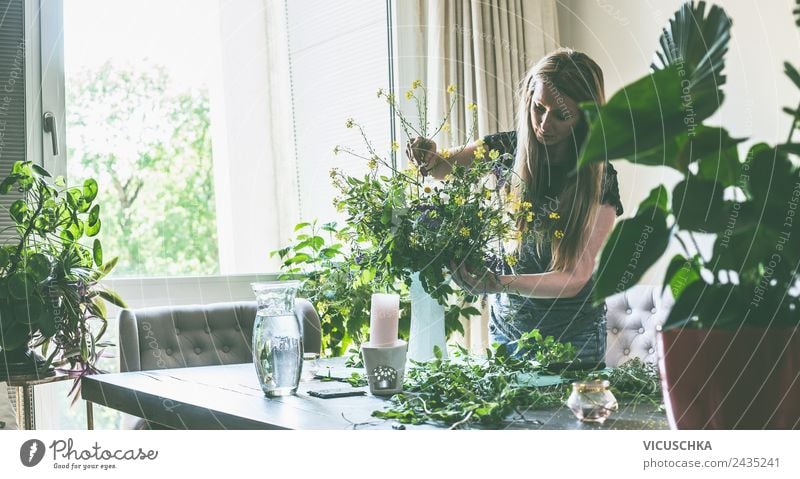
[{"x": 587, "y": 331}]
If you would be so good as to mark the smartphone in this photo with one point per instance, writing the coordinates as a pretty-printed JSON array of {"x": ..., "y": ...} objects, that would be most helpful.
[{"x": 336, "y": 393}]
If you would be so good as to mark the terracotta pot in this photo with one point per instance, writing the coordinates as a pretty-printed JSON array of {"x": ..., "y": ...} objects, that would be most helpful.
[{"x": 728, "y": 379}]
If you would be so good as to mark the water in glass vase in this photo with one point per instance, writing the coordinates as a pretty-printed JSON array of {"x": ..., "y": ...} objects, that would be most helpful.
[
  {"x": 277, "y": 338},
  {"x": 278, "y": 354}
]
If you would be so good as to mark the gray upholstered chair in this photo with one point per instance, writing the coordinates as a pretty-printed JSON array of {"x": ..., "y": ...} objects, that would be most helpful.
[
  {"x": 187, "y": 336},
  {"x": 633, "y": 319}
]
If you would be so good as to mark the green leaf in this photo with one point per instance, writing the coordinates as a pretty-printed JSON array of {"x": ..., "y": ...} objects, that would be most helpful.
[
  {"x": 634, "y": 245},
  {"x": 689, "y": 146},
  {"x": 90, "y": 190},
  {"x": 681, "y": 272},
  {"x": 20, "y": 285},
  {"x": 792, "y": 73},
  {"x": 5, "y": 258},
  {"x": 39, "y": 267},
  {"x": 39, "y": 170},
  {"x": 656, "y": 199},
  {"x": 646, "y": 115},
  {"x": 5, "y": 186},
  {"x": 437, "y": 351},
  {"x": 698, "y": 205},
  {"x": 112, "y": 297},
  {"x": 94, "y": 215},
  {"x": 300, "y": 226},
  {"x": 696, "y": 42},
  {"x": 723, "y": 166},
  {"x": 18, "y": 211},
  {"x": 97, "y": 252},
  {"x": 93, "y": 229}
]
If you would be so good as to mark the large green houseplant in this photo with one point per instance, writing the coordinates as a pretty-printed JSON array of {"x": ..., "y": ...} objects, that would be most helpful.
[
  {"x": 49, "y": 292},
  {"x": 733, "y": 331}
]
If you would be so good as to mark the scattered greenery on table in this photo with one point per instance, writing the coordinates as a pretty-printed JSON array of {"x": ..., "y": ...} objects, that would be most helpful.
[
  {"x": 494, "y": 391},
  {"x": 464, "y": 390}
]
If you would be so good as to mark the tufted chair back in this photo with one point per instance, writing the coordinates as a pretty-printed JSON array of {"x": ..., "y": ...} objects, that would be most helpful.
[
  {"x": 633, "y": 318},
  {"x": 199, "y": 335}
]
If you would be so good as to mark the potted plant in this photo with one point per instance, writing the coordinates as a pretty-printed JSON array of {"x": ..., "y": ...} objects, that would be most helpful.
[
  {"x": 730, "y": 348},
  {"x": 49, "y": 291}
]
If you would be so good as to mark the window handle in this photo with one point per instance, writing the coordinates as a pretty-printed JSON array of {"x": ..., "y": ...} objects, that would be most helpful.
[{"x": 51, "y": 127}]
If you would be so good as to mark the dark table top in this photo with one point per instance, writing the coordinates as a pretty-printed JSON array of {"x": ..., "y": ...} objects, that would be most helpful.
[{"x": 229, "y": 397}]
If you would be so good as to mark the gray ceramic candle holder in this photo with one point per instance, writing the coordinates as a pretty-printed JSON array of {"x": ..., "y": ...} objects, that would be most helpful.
[{"x": 385, "y": 366}]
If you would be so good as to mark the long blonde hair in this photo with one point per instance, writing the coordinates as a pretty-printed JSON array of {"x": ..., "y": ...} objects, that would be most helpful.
[{"x": 577, "y": 76}]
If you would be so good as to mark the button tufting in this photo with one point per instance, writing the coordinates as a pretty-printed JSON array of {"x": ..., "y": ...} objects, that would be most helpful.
[
  {"x": 641, "y": 330},
  {"x": 197, "y": 350},
  {"x": 626, "y": 352},
  {"x": 653, "y": 310},
  {"x": 651, "y": 350},
  {"x": 615, "y": 330},
  {"x": 169, "y": 351},
  {"x": 628, "y": 311},
  {"x": 226, "y": 349}
]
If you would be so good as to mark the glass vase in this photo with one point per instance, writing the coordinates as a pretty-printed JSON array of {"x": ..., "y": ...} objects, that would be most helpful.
[{"x": 277, "y": 338}]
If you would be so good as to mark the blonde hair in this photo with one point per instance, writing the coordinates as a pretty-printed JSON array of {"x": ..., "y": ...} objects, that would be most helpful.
[{"x": 577, "y": 76}]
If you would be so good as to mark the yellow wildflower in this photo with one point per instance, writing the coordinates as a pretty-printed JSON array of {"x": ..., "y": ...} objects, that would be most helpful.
[
  {"x": 487, "y": 193},
  {"x": 349, "y": 123},
  {"x": 380, "y": 92},
  {"x": 446, "y": 127},
  {"x": 480, "y": 214},
  {"x": 409, "y": 95},
  {"x": 480, "y": 152},
  {"x": 494, "y": 154},
  {"x": 529, "y": 218},
  {"x": 416, "y": 84},
  {"x": 395, "y": 146},
  {"x": 526, "y": 205},
  {"x": 445, "y": 153},
  {"x": 472, "y": 106},
  {"x": 448, "y": 177},
  {"x": 372, "y": 163},
  {"x": 464, "y": 231},
  {"x": 459, "y": 200},
  {"x": 480, "y": 142},
  {"x": 334, "y": 172},
  {"x": 451, "y": 88},
  {"x": 558, "y": 234},
  {"x": 511, "y": 260},
  {"x": 553, "y": 215},
  {"x": 336, "y": 149}
]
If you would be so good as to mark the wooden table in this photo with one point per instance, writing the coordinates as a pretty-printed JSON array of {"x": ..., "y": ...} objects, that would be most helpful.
[{"x": 229, "y": 397}]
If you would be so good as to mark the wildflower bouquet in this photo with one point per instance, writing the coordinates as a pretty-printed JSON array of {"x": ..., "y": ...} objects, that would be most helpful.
[{"x": 405, "y": 222}]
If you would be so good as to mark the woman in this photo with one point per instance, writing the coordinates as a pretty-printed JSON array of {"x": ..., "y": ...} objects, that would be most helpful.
[{"x": 549, "y": 288}]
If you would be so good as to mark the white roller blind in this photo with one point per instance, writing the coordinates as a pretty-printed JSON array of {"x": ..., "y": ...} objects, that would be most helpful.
[
  {"x": 339, "y": 58},
  {"x": 12, "y": 100}
]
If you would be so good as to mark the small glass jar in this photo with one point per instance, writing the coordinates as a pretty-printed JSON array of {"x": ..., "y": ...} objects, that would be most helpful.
[
  {"x": 310, "y": 366},
  {"x": 592, "y": 401}
]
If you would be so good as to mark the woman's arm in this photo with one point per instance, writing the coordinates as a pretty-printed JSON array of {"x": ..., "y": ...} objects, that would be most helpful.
[
  {"x": 554, "y": 284},
  {"x": 431, "y": 162}
]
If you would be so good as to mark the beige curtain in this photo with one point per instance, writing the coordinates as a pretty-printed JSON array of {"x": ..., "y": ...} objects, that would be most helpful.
[{"x": 485, "y": 47}]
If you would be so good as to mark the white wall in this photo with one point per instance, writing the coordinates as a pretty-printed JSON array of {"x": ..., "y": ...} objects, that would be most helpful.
[{"x": 621, "y": 35}]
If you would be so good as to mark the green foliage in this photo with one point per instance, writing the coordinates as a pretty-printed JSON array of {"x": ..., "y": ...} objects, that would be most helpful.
[
  {"x": 408, "y": 223},
  {"x": 132, "y": 129},
  {"x": 335, "y": 284},
  {"x": 49, "y": 287},
  {"x": 466, "y": 390},
  {"x": 750, "y": 205},
  {"x": 634, "y": 381}
]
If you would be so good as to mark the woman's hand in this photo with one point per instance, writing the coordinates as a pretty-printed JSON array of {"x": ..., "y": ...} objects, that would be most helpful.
[
  {"x": 422, "y": 152},
  {"x": 476, "y": 283}
]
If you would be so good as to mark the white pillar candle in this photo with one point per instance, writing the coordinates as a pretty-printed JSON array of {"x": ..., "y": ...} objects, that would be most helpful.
[{"x": 384, "y": 319}]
